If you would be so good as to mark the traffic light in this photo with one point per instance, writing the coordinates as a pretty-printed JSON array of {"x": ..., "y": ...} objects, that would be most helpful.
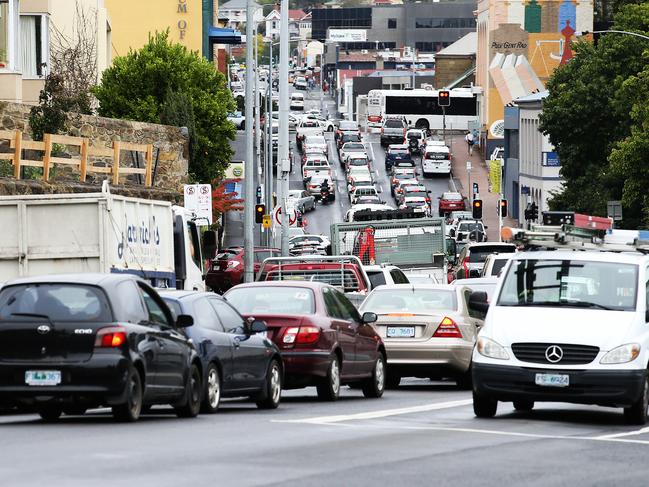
[
  {"x": 502, "y": 207},
  {"x": 477, "y": 209},
  {"x": 260, "y": 211},
  {"x": 444, "y": 98}
]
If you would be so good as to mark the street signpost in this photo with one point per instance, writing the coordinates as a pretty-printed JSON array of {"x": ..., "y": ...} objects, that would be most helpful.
[{"x": 198, "y": 198}]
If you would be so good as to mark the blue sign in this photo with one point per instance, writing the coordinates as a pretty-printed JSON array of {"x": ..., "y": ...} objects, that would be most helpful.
[{"x": 551, "y": 159}]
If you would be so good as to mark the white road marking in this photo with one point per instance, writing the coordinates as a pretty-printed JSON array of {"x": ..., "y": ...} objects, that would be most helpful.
[
  {"x": 380, "y": 413},
  {"x": 628, "y": 433}
]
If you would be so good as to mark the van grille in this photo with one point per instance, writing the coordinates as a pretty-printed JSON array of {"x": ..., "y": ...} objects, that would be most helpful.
[{"x": 572, "y": 354}]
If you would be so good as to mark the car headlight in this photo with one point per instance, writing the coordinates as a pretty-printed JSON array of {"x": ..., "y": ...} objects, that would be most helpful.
[
  {"x": 622, "y": 354},
  {"x": 492, "y": 349}
]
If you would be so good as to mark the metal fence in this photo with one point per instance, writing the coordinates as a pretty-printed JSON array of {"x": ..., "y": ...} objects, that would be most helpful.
[{"x": 399, "y": 242}]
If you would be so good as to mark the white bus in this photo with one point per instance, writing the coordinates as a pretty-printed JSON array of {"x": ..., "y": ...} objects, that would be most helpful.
[{"x": 421, "y": 110}]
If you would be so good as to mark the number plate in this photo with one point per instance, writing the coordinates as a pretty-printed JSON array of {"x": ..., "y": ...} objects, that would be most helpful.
[
  {"x": 43, "y": 377},
  {"x": 400, "y": 332},
  {"x": 552, "y": 380}
]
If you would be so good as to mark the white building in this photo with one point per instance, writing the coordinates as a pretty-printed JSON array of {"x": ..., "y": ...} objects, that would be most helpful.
[
  {"x": 304, "y": 26},
  {"x": 538, "y": 172},
  {"x": 235, "y": 12},
  {"x": 272, "y": 24}
]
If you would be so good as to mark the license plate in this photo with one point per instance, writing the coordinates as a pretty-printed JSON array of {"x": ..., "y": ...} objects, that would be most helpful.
[
  {"x": 552, "y": 380},
  {"x": 43, "y": 377},
  {"x": 400, "y": 332}
]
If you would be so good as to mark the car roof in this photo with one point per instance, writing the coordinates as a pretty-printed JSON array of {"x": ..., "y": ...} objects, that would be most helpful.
[
  {"x": 451, "y": 194},
  {"x": 89, "y": 278},
  {"x": 315, "y": 285},
  {"x": 182, "y": 294},
  {"x": 584, "y": 255},
  {"x": 477, "y": 280},
  {"x": 398, "y": 146},
  {"x": 415, "y": 286}
]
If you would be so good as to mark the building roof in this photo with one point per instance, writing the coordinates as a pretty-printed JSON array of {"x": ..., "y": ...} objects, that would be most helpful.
[
  {"x": 465, "y": 46},
  {"x": 533, "y": 98},
  {"x": 271, "y": 14},
  {"x": 387, "y": 73},
  {"x": 307, "y": 16},
  {"x": 356, "y": 56},
  {"x": 236, "y": 5},
  {"x": 295, "y": 14}
]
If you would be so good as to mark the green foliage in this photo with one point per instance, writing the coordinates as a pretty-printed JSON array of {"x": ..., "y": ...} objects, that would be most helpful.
[
  {"x": 162, "y": 77},
  {"x": 55, "y": 104},
  {"x": 587, "y": 112}
]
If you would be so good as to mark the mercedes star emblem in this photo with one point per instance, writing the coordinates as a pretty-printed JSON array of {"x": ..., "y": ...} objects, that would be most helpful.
[
  {"x": 43, "y": 329},
  {"x": 554, "y": 354}
]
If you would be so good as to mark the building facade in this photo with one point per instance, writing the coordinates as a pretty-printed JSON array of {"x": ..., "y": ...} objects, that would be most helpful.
[
  {"x": 235, "y": 12},
  {"x": 520, "y": 44}
]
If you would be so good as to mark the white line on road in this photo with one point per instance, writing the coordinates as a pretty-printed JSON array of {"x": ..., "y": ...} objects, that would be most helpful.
[
  {"x": 628, "y": 433},
  {"x": 379, "y": 414}
]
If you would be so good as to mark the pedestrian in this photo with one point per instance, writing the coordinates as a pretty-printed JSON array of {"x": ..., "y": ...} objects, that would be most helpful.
[{"x": 469, "y": 142}]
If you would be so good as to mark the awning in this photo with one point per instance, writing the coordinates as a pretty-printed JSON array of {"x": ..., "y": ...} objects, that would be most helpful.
[{"x": 222, "y": 35}]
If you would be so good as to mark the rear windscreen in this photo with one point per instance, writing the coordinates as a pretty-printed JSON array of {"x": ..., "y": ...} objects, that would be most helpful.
[
  {"x": 58, "y": 302},
  {"x": 376, "y": 278},
  {"x": 393, "y": 124},
  {"x": 346, "y": 279}
]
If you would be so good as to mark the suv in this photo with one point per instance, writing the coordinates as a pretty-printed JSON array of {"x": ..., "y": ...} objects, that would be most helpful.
[
  {"x": 395, "y": 153},
  {"x": 473, "y": 256},
  {"x": 470, "y": 231},
  {"x": 566, "y": 326},
  {"x": 494, "y": 264},
  {"x": 226, "y": 269},
  {"x": 380, "y": 275},
  {"x": 393, "y": 131}
]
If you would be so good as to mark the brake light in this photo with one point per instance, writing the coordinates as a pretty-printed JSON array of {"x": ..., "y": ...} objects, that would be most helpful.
[
  {"x": 447, "y": 329},
  {"x": 382, "y": 131},
  {"x": 110, "y": 337},
  {"x": 465, "y": 265},
  {"x": 301, "y": 334}
]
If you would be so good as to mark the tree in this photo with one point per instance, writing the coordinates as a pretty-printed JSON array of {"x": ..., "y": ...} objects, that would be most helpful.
[
  {"x": 586, "y": 114},
  {"x": 150, "y": 84}
]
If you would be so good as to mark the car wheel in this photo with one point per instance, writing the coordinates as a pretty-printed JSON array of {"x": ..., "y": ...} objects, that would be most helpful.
[
  {"x": 50, "y": 413},
  {"x": 212, "y": 397},
  {"x": 273, "y": 387},
  {"x": 392, "y": 381},
  {"x": 375, "y": 385},
  {"x": 637, "y": 413},
  {"x": 484, "y": 406},
  {"x": 130, "y": 410},
  {"x": 523, "y": 405},
  {"x": 193, "y": 391},
  {"x": 329, "y": 387}
]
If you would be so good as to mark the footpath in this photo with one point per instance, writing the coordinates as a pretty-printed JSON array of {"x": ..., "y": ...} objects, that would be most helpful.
[{"x": 479, "y": 174}]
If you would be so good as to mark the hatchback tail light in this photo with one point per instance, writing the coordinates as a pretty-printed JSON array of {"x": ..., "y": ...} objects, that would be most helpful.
[
  {"x": 447, "y": 329},
  {"x": 301, "y": 334},
  {"x": 110, "y": 337},
  {"x": 382, "y": 131}
]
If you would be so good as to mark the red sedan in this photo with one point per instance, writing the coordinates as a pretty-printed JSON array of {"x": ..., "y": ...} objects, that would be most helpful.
[
  {"x": 323, "y": 340},
  {"x": 451, "y": 201}
]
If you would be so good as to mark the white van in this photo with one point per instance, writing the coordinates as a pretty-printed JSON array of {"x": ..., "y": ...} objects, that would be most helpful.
[
  {"x": 436, "y": 160},
  {"x": 566, "y": 326},
  {"x": 297, "y": 101}
]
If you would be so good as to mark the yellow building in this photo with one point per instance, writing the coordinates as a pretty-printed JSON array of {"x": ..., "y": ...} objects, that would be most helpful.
[{"x": 133, "y": 21}]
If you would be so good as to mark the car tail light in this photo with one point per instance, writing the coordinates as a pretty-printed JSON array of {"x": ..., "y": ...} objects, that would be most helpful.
[
  {"x": 382, "y": 130},
  {"x": 447, "y": 329},
  {"x": 110, "y": 337},
  {"x": 465, "y": 265},
  {"x": 301, "y": 334}
]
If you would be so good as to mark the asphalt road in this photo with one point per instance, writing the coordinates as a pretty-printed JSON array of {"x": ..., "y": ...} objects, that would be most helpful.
[{"x": 421, "y": 434}]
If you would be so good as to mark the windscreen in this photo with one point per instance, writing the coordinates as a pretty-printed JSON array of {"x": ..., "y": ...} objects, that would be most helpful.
[
  {"x": 393, "y": 124},
  {"x": 417, "y": 301},
  {"x": 58, "y": 302},
  {"x": 570, "y": 283},
  {"x": 272, "y": 300}
]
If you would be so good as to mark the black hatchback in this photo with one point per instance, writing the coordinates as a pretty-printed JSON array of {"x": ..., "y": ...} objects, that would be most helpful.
[
  {"x": 238, "y": 359},
  {"x": 69, "y": 343}
]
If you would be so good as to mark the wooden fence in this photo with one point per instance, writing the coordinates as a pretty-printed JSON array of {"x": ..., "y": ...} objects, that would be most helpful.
[{"x": 87, "y": 152}]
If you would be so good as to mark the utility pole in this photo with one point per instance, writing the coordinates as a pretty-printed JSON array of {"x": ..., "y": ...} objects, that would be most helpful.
[
  {"x": 268, "y": 170},
  {"x": 248, "y": 214},
  {"x": 284, "y": 165},
  {"x": 257, "y": 110}
]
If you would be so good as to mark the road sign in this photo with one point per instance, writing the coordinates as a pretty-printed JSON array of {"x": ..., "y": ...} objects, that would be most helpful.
[
  {"x": 277, "y": 215},
  {"x": 198, "y": 198},
  {"x": 468, "y": 165},
  {"x": 614, "y": 210},
  {"x": 266, "y": 222}
]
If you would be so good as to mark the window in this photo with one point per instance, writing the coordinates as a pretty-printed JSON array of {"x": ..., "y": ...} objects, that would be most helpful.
[
  {"x": 205, "y": 315},
  {"x": 157, "y": 314},
  {"x": 441, "y": 23},
  {"x": 277, "y": 300},
  {"x": 348, "y": 309},
  {"x": 392, "y": 23},
  {"x": 424, "y": 46},
  {"x": 130, "y": 303},
  {"x": 231, "y": 320},
  {"x": 376, "y": 278},
  {"x": 33, "y": 35},
  {"x": 398, "y": 277},
  {"x": 8, "y": 34},
  {"x": 274, "y": 25},
  {"x": 194, "y": 244},
  {"x": 333, "y": 308}
]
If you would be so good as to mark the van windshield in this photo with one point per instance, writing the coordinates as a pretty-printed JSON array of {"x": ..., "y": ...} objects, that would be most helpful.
[{"x": 570, "y": 283}]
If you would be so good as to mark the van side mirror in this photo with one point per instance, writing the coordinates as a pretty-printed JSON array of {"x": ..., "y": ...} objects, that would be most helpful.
[
  {"x": 209, "y": 243},
  {"x": 479, "y": 302},
  {"x": 184, "y": 321}
]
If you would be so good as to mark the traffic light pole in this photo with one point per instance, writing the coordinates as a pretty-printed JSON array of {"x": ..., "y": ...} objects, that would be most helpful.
[
  {"x": 444, "y": 126},
  {"x": 249, "y": 178}
]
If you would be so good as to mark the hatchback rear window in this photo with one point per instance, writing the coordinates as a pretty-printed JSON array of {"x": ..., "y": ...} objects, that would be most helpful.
[{"x": 58, "y": 302}]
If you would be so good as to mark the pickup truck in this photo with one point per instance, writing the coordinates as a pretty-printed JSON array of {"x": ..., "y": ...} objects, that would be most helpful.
[
  {"x": 307, "y": 127},
  {"x": 315, "y": 167}
]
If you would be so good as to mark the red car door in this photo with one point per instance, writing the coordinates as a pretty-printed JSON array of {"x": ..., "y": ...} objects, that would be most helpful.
[
  {"x": 364, "y": 338},
  {"x": 345, "y": 331}
]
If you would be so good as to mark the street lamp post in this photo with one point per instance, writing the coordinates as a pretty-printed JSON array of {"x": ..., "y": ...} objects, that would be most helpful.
[
  {"x": 248, "y": 214},
  {"x": 284, "y": 165}
]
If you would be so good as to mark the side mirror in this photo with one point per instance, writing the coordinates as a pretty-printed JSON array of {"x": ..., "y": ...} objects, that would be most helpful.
[
  {"x": 258, "y": 326},
  {"x": 478, "y": 301},
  {"x": 184, "y": 321},
  {"x": 369, "y": 317},
  {"x": 209, "y": 243}
]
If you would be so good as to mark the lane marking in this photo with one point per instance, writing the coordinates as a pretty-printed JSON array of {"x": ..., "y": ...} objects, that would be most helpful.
[
  {"x": 384, "y": 413},
  {"x": 628, "y": 433}
]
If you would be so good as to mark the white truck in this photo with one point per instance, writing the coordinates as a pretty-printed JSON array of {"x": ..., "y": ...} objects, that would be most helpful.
[{"x": 101, "y": 232}]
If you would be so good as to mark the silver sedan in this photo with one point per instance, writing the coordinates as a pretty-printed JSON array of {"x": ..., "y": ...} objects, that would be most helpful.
[{"x": 301, "y": 200}]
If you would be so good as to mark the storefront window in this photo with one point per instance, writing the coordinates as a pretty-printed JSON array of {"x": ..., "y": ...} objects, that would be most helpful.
[{"x": 4, "y": 33}]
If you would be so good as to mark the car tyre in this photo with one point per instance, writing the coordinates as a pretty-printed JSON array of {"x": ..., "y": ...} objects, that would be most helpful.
[
  {"x": 392, "y": 381},
  {"x": 129, "y": 411},
  {"x": 50, "y": 413},
  {"x": 637, "y": 412},
  {"x": 374, "y": 386},
  {"x": 272, "y": 387},
  {"x": 193, "y": 393},
  {"x": 523, "y": 405},
  {"x": 212, "y": 393},
  {"x": 484, "y": 406},
  {"x": 329, "y": 387}
]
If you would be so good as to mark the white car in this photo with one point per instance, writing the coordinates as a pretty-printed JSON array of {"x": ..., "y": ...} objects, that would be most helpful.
[
  {"x": 418, "y": 204},
  {"x": 238, "y": 119},
  {"x": 297, "y": 101},
  {"x": 349, "y": 148},
  {"x": 436, "y": 160},
  {"x": 362, "y": 190},
  {"x": 494, "y": 264},
  {"x": 385, "y": 274},
  {"x": 309, "y": 245},
  {"x": 349, "y": 215},
  {"x": 358, "y": 174},
  {"x": 300, "y": 83},
  {"x": 317, "y": 142},
  {"x": 565, "y": 326},
  {"x": 314, "y": 167}
]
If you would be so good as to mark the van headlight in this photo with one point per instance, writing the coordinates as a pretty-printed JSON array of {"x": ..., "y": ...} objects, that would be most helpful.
[
  {"x": 492, "y": 349},
  {"x": 622, "y": 354}
]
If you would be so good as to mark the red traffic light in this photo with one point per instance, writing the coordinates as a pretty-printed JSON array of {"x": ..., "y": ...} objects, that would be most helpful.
[{"x": 444, "y": 98}]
